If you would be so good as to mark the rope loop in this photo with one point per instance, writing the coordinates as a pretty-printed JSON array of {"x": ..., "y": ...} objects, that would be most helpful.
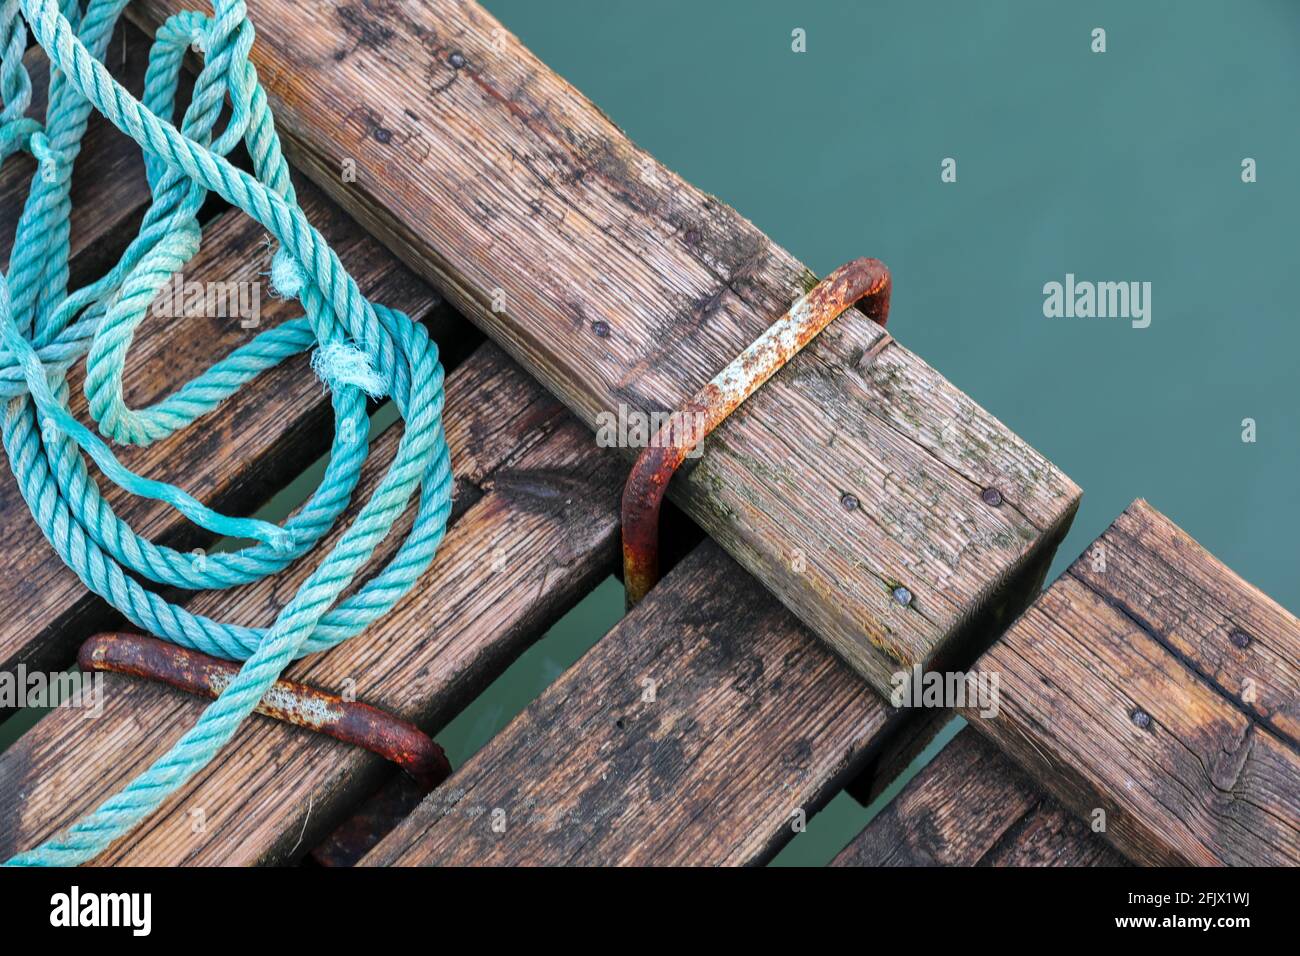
[{"x": 361, "y": 350}]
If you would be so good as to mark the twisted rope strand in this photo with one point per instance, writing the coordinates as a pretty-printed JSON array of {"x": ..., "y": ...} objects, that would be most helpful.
[{"x": 362, "y": 349}]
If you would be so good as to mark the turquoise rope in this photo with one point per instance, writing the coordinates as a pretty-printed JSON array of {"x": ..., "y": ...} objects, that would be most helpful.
[{"x": 362, "y": 349}]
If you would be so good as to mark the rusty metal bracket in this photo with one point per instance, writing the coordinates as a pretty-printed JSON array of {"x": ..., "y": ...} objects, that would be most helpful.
[
  {"x": 865, "y": 282},
  {"x": 350, "y": 721}
]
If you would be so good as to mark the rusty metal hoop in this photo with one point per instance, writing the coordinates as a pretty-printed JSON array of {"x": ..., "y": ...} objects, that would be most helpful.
[
  {"x": 350, "y": 721},
  {"x": 865, "y": 282}
]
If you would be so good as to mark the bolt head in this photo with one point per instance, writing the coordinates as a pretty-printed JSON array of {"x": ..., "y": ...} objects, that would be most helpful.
[{"x": 902, "y": 596}]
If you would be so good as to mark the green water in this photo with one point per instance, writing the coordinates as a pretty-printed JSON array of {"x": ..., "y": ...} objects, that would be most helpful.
[{"x": 1117, "y": 166}]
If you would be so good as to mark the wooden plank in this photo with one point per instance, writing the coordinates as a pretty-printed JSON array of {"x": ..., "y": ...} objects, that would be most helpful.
[
  {"x": 234, "y": 459},
  {"x": 751, "y": 721},
  {"x": 615, "y": 283},
  {"x": 1152, "y": 682},
  {"x": 535, "y": 528},
  {"x": 1052, "y": 837},
  {"x": 971, "y": 806}
]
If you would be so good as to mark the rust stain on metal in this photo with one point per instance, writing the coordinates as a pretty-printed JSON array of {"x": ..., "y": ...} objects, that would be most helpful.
[
  {"x": 864, "y": 282},
  {"x": 350, "y": 721}
]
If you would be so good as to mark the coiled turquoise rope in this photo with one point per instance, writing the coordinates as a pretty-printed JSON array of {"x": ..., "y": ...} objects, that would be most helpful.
[{"x": 363, "y": 349}]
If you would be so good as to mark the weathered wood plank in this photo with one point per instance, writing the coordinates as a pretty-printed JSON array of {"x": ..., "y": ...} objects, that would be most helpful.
[
  {"x": 971, "y": 806},
  {"x": 1052, "y": 836},
  {"x": 233, "y": 459},
  {"x": 1229, "y": 632},
  {"x": 615, "y": 283},
  {"x": 1152, "y": 682},
  {"x": 538, "y": 530},
  {"x": 691, "y": 734}
]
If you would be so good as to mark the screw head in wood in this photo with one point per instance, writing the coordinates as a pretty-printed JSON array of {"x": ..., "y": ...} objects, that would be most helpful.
[
  {"x": 601, "y": 328},
  {"x": 456, "y": 60},
  {"x": 902, "y": 596},
  {"x": 1239, "y": 638},
  {"x": 848, "y": 502},
  {"x": 1141, "y": 718},
  {"x": 991, "y": 497}
]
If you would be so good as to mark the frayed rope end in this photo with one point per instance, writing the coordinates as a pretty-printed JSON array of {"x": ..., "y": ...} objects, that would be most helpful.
[
  {"x": 287, "y": 278},
  {"x": 338, "y": 364}
]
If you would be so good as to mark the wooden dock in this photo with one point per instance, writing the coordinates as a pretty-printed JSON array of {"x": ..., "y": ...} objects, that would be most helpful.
[{"x": 565, "y": 273}]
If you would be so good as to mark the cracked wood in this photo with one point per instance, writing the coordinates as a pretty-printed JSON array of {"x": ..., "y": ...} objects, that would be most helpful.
[{"x": 1152, "y": 682}]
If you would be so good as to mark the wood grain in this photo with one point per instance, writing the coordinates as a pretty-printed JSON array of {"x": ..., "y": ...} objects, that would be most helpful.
[
  {"x": 1152, "y": 682},
  {"x": 613, "y": 281},
  {"x": 232, "y": 459},
  {"x": 692, "y": 733},
  {"x": 538, "y": 530},
  {"x": 971, "y": 806}
]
